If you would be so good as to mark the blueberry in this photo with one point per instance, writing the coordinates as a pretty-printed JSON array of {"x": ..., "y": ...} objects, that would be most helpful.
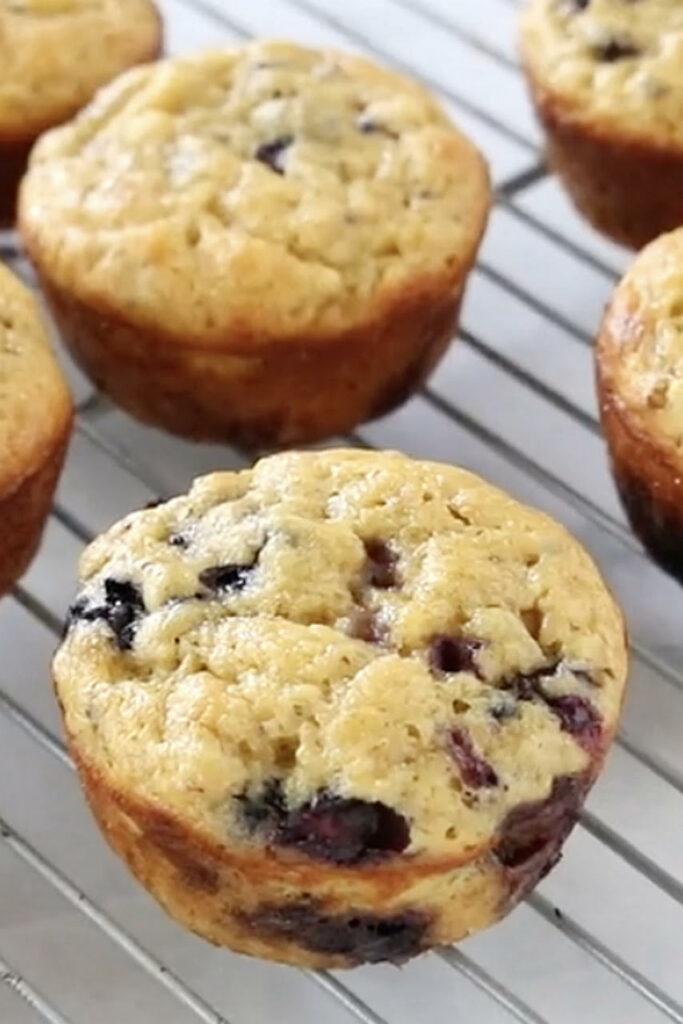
[
  {"x": 121, "y": 610},
  {"x": 272, "y": 153},
  {"x": 380, "y": 570},
  {"x": 613, "y": 50},
  {"x": 345, "y": 831},
  {"x": 576, "y": 714},
  {"x": 476, "y": 772},
  {"x": 365, "y": 938},
  {"x": 528, "y": 828},
  {"x": 578, "y": 717},
  {"x": 329, "y": 827},
  {"x": 531, "y": 836},
  {"x": 455, "y": 654},
  {"x": 502, "y": 709},
  {"x": 232, "y": 576},
  {"x": 368, "y": 126},
  {"x": 178, "y": 540},
  {"x": 265, "y": 811},
  {"x": 75, "y": 613},
  {"x": 527, "y": 685},
  {"x": 125, "y": 605}
]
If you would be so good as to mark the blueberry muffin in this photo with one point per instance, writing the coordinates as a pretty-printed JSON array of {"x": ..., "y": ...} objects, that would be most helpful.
[
  {"x": 35, "y": 423},
  {"x": 54, "y": 55},
  {"x": 607, "y": 80},
  {"x": 261, "y": 245},
  {"x": 342, "y": 707},
  {"x": 640, "y": 381}
]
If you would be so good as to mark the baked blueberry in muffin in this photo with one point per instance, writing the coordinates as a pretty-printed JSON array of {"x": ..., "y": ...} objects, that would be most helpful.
[
  {"x": 607, "y": 80},
  {"x": 296, "y": 787},
  {"x": 262, "y": 245}
]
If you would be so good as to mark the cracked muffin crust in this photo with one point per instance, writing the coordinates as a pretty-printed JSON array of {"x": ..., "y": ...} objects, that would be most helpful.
[
  {"x": 342, "y": 707},
  {"x": 640, "y": 381},
  {"x": 607, "y": 83},
  {"x": 35, "y": 423},
  {"x": 264, "y": 244},
  {"x": 54, "y": 55}
]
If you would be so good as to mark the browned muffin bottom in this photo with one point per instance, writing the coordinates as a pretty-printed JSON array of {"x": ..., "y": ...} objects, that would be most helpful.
[
  {"x": 606, "y": 81},
  {"x": 35, "y": 423},
  {"x": 655, "y": 517},
  {"x": 292, "y": 258},
  {"x": 631, "y": 191},
  {"x": 292, "y": 391},
  {"x": 327, "y": 726},
  {"x": 639, "y": 371}
]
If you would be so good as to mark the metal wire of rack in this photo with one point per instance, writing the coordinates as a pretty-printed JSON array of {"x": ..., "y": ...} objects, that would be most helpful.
[{"x": 599, "y": 940}]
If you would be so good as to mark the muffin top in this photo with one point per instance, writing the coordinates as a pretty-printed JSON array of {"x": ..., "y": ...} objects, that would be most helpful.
[
  {"x": 35, "y": 404},
  {"x": 325, "y": 187},
  {"x": 612, "y": 64},
  {"x": 55, "y": 54},
  {"x": 641, "y": 342},
  {"x": 347, "y": 653}
]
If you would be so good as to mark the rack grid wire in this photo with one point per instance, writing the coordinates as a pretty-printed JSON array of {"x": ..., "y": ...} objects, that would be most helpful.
[{"x": 599, "y": 942}]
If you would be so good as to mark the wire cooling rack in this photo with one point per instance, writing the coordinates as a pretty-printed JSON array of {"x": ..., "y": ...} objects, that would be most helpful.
[{"x": 600, "y": 941}]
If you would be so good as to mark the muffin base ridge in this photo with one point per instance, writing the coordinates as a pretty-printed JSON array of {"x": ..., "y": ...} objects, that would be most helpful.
[
  {"x": 649, "y": 485},
  {"x": 242, "y": 393},
  {"x": 628, "y": 190},
  {"x": 251, "y": 901}
]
